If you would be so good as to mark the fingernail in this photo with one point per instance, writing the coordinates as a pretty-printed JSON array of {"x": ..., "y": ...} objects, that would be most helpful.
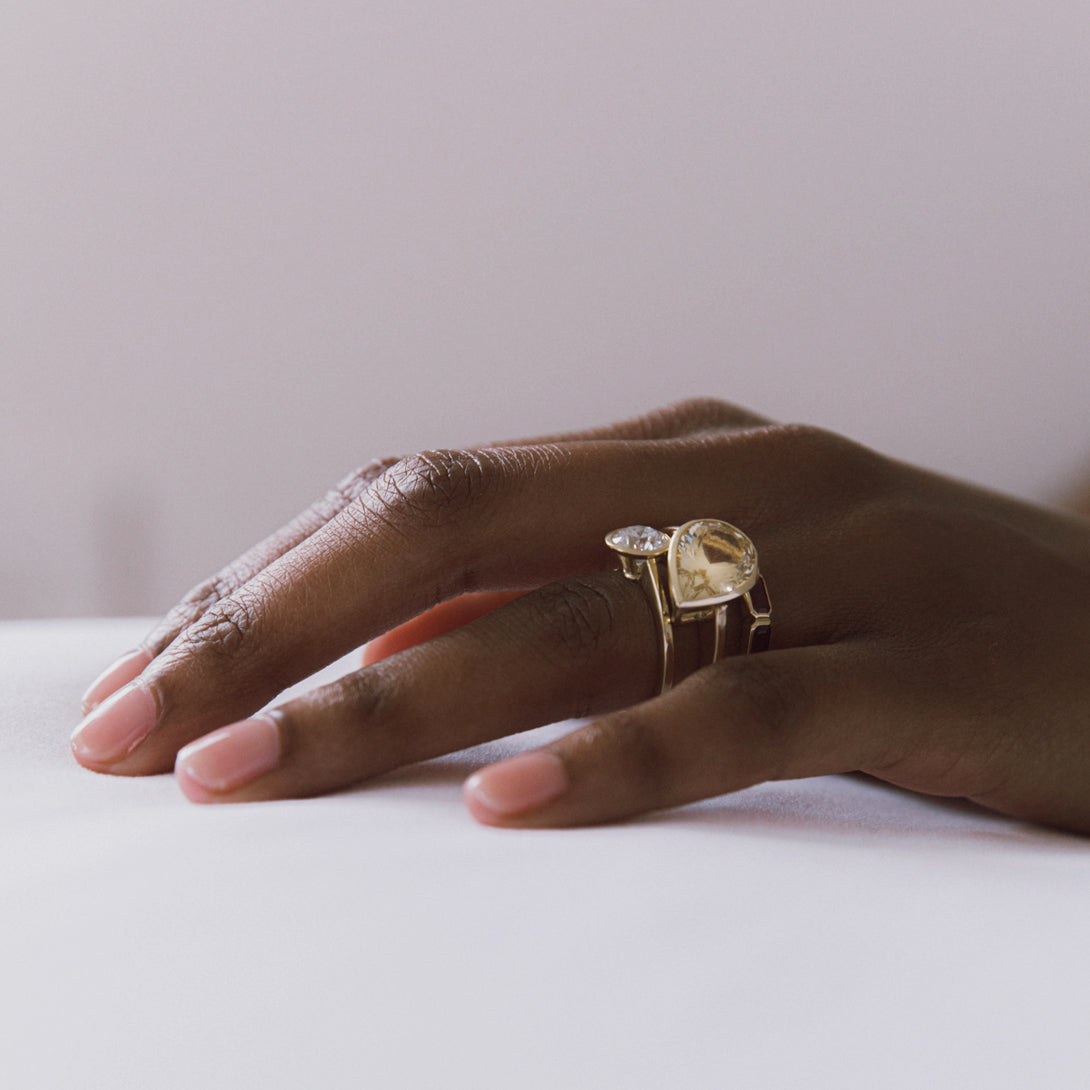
[
  {"x": 519, "y": 784},
  {"x": 115, "y": 675},
  {"x": 116, "y": 727},
  {"x": 229, "y": 758}
]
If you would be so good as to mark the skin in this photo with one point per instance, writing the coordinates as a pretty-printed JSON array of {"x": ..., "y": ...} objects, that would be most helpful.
[{"x": 926, "y": 632}]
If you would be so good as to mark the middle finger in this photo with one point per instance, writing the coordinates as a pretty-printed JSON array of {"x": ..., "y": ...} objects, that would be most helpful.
[{"x": 435, "y": 525}]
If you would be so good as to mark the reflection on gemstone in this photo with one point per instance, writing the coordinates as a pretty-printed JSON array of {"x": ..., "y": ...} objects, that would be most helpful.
[
  {"x": 710, "y": 562},
  {"x": 638, "y": 540}
]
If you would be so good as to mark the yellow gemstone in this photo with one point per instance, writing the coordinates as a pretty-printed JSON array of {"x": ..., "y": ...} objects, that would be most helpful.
[{"x": 710, "y": 562}]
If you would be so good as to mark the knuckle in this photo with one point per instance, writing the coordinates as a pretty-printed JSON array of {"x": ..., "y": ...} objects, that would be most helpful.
[
  {"x": 364, "y": 694},
  {"x": 823, "y": 463},
  {"x": 694, "y": 414},
  {"x": 641, "y": 757},
  {"x": 365, "y": 704},
  {"x": 817, "y": 442},
  {"x": 763, "y": 707},
  {"x": 204, "y": 595},
  {"x": 577, "y": 618},
  {"x": 823, "y": 448},
  {"x": 193, "y": 605},
  {"x": 351, "y": 487},
  {"x": 369, "y": 708},
  {"x": 703, "y": 412},
  {"x": 433, "y": 486},
  {"x": 225, "y": 630}
]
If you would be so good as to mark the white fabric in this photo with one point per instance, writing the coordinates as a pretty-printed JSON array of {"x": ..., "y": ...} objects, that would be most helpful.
[{"x": 829, "y": 933}]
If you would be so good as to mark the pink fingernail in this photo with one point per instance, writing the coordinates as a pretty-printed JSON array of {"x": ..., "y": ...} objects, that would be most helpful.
[
  {"x": 116, "y": 727},
  {"x": 111, "y": 679},
  {"x": 516, "y": 785},
  {"x": 228, "y": 758}
]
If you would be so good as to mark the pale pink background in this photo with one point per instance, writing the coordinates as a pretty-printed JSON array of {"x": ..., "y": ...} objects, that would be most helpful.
[{"x": 244, "y": 247}]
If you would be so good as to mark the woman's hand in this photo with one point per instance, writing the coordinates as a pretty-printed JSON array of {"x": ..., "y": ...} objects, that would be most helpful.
[{"x": 929, "y": 633}]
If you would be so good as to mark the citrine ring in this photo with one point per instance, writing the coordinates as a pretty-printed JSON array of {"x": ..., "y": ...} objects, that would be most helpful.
[{"x": 692, "y": 573}]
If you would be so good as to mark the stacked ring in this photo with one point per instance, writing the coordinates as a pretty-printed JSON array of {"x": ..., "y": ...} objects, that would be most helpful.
[{"x": 692, "y": 573}]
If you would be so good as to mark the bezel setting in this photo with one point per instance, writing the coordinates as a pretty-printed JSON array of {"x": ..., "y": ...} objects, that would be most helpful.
[
  {"x": 740, "y": 562},
  {"x": 643, "y": 542}
]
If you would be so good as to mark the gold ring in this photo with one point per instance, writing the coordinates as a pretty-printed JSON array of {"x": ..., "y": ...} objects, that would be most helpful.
[{"x": 692, "y": 573}]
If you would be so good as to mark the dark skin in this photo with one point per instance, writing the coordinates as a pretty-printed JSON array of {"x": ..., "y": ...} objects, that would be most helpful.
[
  {"x": 1080, "y": 500},
  {"x": 932, "y": 634}
]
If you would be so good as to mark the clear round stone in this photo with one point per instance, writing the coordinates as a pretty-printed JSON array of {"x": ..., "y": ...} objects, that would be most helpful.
[
  {"x": 638, "y": 540},
  {"x": 711, "y": 560}
]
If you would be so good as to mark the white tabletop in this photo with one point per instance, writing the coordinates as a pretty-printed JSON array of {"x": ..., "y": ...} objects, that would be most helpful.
[{"x": 826, "y": 933}]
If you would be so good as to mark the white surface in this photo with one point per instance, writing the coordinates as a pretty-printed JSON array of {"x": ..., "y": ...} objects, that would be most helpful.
[
  {"x": 830, "y": 933},
  {"x": 246, "y": 247}
]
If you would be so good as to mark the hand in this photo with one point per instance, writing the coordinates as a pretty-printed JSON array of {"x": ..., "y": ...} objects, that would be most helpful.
[{"x": 929, "y": 633}]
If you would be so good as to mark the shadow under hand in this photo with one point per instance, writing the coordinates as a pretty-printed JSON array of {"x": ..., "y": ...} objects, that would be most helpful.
[
  {"x": 861, "y": 808},
  {"x": 843, "y": 809}
]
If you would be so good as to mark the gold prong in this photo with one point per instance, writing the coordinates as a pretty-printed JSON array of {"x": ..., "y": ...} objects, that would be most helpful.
[
  {"x": 760, "y": 617},
  {"x": 652, "y": 585},
  {"x": 720, "y": 645}
]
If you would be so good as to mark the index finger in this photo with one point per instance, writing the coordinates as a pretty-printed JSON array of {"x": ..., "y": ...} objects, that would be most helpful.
[
  {"x": 435, "y": 525},
  {"x": 684, "y": 418}
]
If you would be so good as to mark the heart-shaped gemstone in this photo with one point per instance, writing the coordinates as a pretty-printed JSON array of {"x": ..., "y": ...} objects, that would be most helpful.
[{"x": 710, "y": 562}]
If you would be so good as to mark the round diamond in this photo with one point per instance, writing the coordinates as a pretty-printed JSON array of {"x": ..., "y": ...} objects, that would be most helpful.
[{"x": 638, "y": 541}]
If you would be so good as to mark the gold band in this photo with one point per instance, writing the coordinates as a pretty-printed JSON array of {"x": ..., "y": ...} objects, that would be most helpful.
[{"x": 692, "y": 573}]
